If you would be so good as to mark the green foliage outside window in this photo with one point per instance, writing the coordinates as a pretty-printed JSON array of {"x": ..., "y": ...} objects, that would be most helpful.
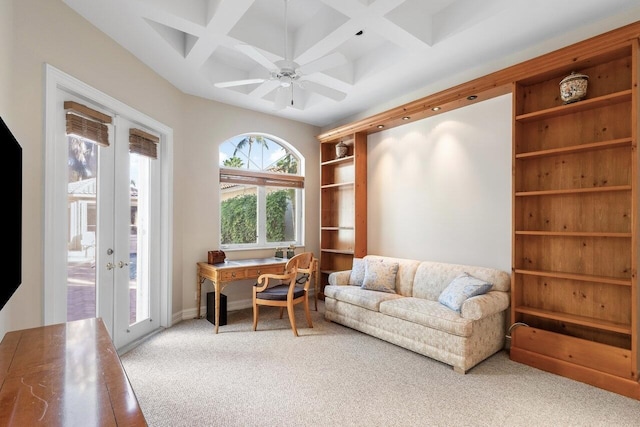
[
  {"x": 234, "y": 162},
  {"x": 276, "y": 207},
  {"x": 239, "y": 216}
]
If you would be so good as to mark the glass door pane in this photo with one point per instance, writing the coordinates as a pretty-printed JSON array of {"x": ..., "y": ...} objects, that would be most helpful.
[
  {"x": 82, "y": 221},
  {"x": 136, "y": 240},
  {"x": 139, "y": 239}
]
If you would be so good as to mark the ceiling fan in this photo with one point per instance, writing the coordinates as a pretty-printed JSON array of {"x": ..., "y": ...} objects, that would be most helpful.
[{"x": 285, "y": 74}]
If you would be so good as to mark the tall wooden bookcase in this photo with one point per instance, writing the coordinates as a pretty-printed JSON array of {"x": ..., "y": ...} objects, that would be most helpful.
[
  {"x": 575, "y": 292},
  {"x": 343, "y": 205}
]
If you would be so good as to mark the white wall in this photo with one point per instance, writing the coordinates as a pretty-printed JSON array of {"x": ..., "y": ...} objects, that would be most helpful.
[{"x": 440, "y": 189}]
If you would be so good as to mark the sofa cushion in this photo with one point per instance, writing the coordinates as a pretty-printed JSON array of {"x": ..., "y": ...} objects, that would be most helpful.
[
  {"x": 357, "y": 272},
  {"x": 461, "y": 289},
  {"x": 431, "y": 314},
  {"x": 357, "y": 296},
  {"x": 432, "y": 277},
  {"x": 406, "y": 272},
  {"x": 380, "y": 275}
]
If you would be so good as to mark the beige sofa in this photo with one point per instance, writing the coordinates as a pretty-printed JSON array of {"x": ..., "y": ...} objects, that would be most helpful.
[{"x": 411, "y": 316}]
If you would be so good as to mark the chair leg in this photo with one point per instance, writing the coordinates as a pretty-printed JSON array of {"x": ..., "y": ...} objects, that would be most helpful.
[
  {"x": 307, "y": 312},
  {"x": 292, "y": 319},
  {"x": 281, "y": 311},
  {"x": 255, "y": 316}
]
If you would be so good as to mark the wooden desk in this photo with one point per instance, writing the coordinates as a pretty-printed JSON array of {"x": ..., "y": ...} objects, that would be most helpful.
[
  {"x": 65, "y": 375},
  {"x": 223, "y": 273}
]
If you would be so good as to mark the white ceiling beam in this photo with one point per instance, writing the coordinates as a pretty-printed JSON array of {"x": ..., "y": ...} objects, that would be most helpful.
[{"x": 227, "y": 14}]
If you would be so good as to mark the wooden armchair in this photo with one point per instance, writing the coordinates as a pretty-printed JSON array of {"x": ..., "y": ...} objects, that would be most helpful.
[{"x": 285, "y": 290}]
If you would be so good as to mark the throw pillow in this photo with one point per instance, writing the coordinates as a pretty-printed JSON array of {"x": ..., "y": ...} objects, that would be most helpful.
[
  {"x": 357, "y": 272},
  {"x": 462, "y": 288},
  {"x": 380, "y": 275}
]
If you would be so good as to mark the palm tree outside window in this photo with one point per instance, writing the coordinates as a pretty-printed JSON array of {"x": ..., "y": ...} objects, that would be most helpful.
[{"x": 261, "y": 184}]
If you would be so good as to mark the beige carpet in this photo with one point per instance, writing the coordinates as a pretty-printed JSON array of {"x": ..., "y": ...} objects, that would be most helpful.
[{"x": 334, "y": 376}]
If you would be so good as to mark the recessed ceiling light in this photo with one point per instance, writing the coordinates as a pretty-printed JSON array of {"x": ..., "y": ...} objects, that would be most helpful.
[
  {"x": 380, "y": 126},
  {"x": 435, "y": 109},
  {"x": 472, "y": 97},
  {"x": 406, "y": 118}
]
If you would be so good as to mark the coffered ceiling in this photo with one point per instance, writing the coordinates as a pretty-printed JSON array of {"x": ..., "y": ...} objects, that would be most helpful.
[{"x": 344, "y": 58}]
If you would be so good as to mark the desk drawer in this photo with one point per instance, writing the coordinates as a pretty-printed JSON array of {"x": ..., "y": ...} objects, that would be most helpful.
[
  {"x": 257, "y": 271},
  {"x": 226, "y": 276}
]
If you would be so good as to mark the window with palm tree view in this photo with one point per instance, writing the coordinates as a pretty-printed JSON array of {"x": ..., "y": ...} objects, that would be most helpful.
[{"x": 261, "y": 182}]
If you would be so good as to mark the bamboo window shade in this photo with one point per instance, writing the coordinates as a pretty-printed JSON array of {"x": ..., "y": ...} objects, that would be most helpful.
[
  {"x": 143, "y": 143},
  {"x": 245, "y": 177},
  {"x": 87, "y": 123}
]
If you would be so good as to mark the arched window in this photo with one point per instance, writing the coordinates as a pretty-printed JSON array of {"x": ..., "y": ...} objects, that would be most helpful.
[{"x": 261, "y": 182}]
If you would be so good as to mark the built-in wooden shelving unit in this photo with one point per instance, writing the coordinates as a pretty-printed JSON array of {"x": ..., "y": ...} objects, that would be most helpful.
[
  {"x": 574, "y": 287},
  {"x": 343, "y": 229}
]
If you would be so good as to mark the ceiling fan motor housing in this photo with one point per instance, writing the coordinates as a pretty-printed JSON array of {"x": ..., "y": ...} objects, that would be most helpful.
[{"x": 286, "y": 77}]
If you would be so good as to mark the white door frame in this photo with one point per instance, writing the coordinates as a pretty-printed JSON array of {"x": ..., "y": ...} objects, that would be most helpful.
[{"x": 55, "y": 202}]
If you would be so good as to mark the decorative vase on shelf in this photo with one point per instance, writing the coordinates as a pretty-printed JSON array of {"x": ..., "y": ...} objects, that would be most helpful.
[
  {"x": 341, "y": 149},
  {"x": 573, "y": 87}
]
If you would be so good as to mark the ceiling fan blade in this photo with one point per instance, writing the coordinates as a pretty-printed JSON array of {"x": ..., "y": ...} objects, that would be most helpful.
[
  {"x": 253, "y": 53},
  {"x": 282, "y": 98},
  {"x": 265, "y": 88},
  {"x": 238, "y": 82},
  {"x": 326, "y": 62},
  {"x": 323, "y": 90}
]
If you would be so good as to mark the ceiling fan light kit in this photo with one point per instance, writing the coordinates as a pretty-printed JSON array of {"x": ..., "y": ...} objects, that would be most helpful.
[{"x": 285, "y": 74}]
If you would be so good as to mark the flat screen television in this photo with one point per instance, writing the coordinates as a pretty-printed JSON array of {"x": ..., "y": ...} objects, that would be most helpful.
[{"x": 12, "y": 271}]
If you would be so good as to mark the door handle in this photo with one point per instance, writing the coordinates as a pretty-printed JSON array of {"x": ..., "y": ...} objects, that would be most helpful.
[
  {"x": 110, "y": 266},
  {"x": 122, "y": 264}
]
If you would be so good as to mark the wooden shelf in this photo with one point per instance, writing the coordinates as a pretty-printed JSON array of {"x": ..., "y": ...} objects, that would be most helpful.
[
  {"x": 572, "y": 234},
  {"x": 336, "y": 228},
  {"x": 337, "y": 185},
  {"x": 576, "y": 107},
  {"x": 345, "y": 159},
  {"x": 576, "y": 320},
  {"x": 338, "y": 251},
  {"x": 573, "y": 191},
  {"x": 573, "y": 276},
  {"x": 622, "y": 142}
]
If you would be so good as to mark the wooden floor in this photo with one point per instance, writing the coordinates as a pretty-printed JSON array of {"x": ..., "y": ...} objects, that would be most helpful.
[{"x": 65, "y": 375}]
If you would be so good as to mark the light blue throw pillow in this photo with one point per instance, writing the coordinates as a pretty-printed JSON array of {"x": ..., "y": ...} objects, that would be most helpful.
[{"x": 462, "y": 288}]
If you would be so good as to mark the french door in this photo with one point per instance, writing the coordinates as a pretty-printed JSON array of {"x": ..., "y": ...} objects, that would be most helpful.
[{"x": 105, "y": 230}]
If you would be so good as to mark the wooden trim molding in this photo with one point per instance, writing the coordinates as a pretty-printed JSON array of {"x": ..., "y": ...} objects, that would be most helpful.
[{"x": 486, "y": 87}]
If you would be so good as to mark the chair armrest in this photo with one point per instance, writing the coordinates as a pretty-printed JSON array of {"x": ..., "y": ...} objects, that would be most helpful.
[
  {"x": 267, "y": 277},
  {"x": 340, "y": 278},
  {"x": 481, "y": 306}
]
